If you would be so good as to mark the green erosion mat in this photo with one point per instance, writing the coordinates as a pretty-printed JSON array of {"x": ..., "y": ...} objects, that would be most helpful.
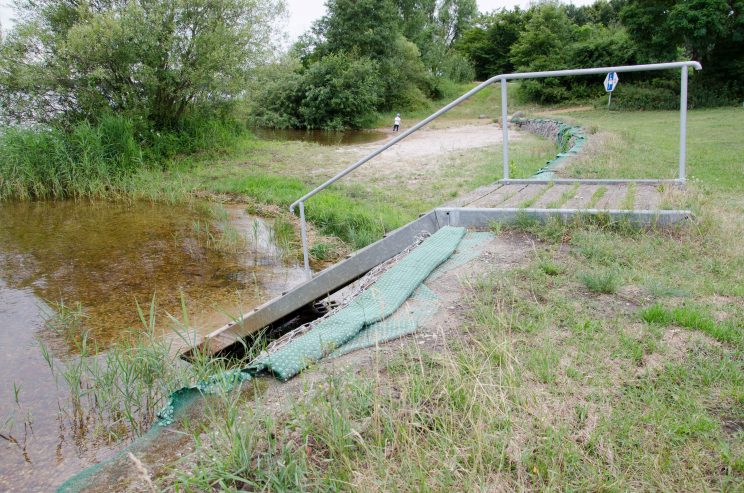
[
  {"x": 423, "y": 303},
  {"x": 363, "y": 322},
  {"x": 570, "y": 140},
  {"x": 378, "y": 302}
]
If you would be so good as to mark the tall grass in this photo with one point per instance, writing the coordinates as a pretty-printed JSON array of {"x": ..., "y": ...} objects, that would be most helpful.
[
  {"x": 350, "y": 216},
  {"x": 116, "y": 394},
  {"x": 94, "y": 160}
]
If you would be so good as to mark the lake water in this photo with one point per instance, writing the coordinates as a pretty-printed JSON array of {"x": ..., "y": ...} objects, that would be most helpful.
[
  {"x": 322, "y": 137},
  {"x": 106, "y": 257}
]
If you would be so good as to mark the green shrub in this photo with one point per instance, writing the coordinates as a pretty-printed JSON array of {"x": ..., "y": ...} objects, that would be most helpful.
[
  {"x": 410, "y": 98},
  {"x": 340, "y": 92},
  {"x": 457, "y": 68},
  {"x": 278, "y": 102},
  {"x": 663, "y": 94},
  {"x": 336, "y": 93},
  {"x": 642, "y": 96}
]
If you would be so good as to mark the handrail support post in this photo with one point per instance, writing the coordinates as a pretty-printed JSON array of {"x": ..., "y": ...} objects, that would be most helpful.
[
  {"x": 303, "y": 230},
  {"x": 683, "y": 126},
  {"x": 504, "y": 129},
  {"x": 504, "y": 124}
]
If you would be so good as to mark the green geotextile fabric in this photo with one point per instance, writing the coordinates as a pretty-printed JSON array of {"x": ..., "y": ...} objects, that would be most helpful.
[
  {"x": 422, "y": 304},
  {"x": 471, "y": 247},
  {"x": 347, "y": 326},
  {"x": 570, "y": 140},
  {"x": 376, "y": 303},
  {"x": 365, "y": 321}
]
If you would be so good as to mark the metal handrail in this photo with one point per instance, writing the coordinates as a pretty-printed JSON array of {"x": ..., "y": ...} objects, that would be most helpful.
[{"x": 505, "y": 144}]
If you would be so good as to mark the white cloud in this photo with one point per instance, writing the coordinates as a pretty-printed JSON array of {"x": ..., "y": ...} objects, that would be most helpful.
[
  {"x": 302, "y": 13},
  {"x": 6, "y": 16}
]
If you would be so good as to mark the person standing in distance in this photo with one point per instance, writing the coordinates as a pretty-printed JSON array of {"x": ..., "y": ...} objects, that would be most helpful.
[{"x": 396, "y": 123}]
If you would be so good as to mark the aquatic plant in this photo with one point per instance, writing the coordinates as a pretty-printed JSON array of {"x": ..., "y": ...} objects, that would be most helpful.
[
  {"x": 67, "y": 321},
  {"x": 116, "y": 394}
]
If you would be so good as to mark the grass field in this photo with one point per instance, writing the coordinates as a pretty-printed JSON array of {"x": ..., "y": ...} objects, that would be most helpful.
[
  {"x": 611, "y": 360},
  {"x": 357, "y": 210}
]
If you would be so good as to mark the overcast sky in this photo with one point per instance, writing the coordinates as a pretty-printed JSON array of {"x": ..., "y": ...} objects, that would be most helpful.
[{"x": 302, "y": 13}]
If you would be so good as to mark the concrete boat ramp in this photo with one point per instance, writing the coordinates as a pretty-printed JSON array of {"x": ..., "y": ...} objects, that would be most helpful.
[{"x": 639, "y": 202}]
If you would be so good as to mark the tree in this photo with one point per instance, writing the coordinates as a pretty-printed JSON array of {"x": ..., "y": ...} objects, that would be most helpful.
[
  {"x": 645, "y": 21},
  {"x": 455, "y": 17},
  {"x": 418, "y": 21},
  {"x": 708, "y": 31},
  {"x": 660, "y": 27},
  {"x": 153, "y": 59},
  {"x": 372, "y": 29},
  {"x": 362, "y": 27},
  {"x": 604, "y": 12},
  {"x": 545, "y": 45},
  {"x": 489, "y": 44},
  {"x": 366, "y": 56},
  {"x": 599, "y": 46},
  {"x": 542, "y": 45},
  {"x": 340, "y": 92}
]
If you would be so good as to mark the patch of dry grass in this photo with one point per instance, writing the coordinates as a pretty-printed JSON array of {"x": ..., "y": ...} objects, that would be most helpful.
[{"x": 546, "y": 385}]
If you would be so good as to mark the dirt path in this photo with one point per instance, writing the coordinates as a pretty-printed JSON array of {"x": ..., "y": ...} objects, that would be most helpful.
[{"x": 421, "y": 152}]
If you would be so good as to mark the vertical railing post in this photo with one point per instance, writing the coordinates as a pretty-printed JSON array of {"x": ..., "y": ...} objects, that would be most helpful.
[
  {"x": 504, "y": 129},
  {"x": 683, "y": 125},
  {"x": 303, "y": 229}
]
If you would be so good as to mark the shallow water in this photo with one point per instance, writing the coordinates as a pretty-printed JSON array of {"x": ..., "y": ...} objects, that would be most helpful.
[
  {"x": 322, "y": 137},
  {"x": 106, "y": 256}
]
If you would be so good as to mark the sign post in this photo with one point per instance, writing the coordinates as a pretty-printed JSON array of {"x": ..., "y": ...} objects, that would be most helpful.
[{"x": 610, "y": 83}]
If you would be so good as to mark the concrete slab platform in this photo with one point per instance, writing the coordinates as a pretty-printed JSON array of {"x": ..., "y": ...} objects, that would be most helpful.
[
  {"x": 613, "y": 197},
  {"x": 647, "y": 197},
  {"x": 498, "y": 195},
  {"x": 583, "y": 197},
  {"x": 555, "y": 196},
  {"x": 522, "y": 195},
  {"x": 501, "y": 201}
]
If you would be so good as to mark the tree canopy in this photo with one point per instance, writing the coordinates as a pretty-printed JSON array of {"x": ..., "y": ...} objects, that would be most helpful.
[
  {"x": 404, "y": 46},
  {"x": 552, "y": 35},
  {"x": 152, "y": 59}
]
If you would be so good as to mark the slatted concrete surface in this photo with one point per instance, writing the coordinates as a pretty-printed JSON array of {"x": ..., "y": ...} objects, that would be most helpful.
[
  {"x": 639, "y": 202},
  {"x": 618, "y": 196}
]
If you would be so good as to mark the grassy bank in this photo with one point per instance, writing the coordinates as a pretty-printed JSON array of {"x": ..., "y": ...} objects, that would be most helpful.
[
  {"x": 609, "y": 359},
  {"x": 117, "y": 160},
  {"x": 116, "y": 156},
  {"x": 100, "y": 160},
  {"x": 359, "y": 209}
]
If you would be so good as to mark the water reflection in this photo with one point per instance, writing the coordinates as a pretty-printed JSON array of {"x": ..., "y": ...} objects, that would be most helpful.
[
  {"x": 322, "y": 137},
  {"x": 106, "y": 256}
]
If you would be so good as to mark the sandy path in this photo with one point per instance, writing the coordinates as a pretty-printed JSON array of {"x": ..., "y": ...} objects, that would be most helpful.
[{"x": 420, "y": 152}]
